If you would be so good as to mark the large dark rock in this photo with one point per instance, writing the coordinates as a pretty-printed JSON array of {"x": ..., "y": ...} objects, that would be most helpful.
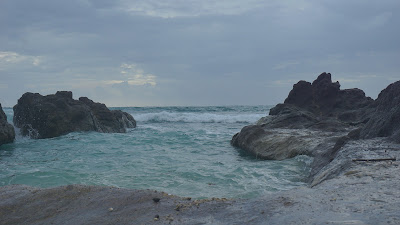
[
  {"x": 311, "y": 114},
  {"x": 385, "y": 120},
  {"x": 320, "y": 120},
  {"x": 324, "y": 98},
  {"x": 109, "y": 120},
  {"x": 54, "y": 115},
  {"x": 7, "y": 133}
]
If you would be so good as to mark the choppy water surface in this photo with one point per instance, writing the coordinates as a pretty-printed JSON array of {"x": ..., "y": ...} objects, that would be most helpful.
[{"x": 179, "y": 150}]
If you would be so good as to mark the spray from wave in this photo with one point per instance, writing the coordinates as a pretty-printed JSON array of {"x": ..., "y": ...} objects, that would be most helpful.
[{"x": 165, "y": 117}]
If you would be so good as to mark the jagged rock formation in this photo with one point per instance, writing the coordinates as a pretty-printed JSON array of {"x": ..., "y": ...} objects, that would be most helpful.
[
  {"x": 324, "y": 98},
  {"x": 318, "y": 119},
  {"x": 312, "y": 114},
  {"x": 7, "y": 133},
  {"x": 54, "y": 115}
]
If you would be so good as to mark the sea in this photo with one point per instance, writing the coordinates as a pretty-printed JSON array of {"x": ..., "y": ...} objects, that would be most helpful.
[{"x": 183, "y": 151}]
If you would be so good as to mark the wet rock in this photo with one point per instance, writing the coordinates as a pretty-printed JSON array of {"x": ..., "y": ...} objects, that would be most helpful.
[
  {"x": 7, "y": 133},
  {"x": 53, "y": 115},
  {"x": 280, "y": 143}
]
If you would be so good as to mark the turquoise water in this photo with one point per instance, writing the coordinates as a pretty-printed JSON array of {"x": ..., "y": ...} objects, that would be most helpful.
[{"x": 184, "y": 151}]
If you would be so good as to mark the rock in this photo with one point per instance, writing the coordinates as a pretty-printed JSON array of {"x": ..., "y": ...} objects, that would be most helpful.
[
  {"x": 340, "y": 158},
  {"x": 324, "y": 98},
  {"x": 332, "y": 125},
  {"x": 311, "y": 114},
  {"x": 385, "y": 120},
  {"x": 323, "y": 156},
  {"x": 280, "y": 143},
  {"x": 7, "y": 133},
  {"x": 301, "y": 95},
  {"x": 107, "y": 118},
  {"x": 58, "y": 114},
  {"x": 288, "y": 116},
  {"x": 325, "y": 93}
]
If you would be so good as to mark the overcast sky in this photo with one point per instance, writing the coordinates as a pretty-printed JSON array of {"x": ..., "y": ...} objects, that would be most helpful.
[{"x": 194, "y": 52}]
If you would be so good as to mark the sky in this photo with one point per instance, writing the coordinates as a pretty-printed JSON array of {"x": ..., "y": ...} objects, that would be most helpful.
[{"x": 194, "y": 52}]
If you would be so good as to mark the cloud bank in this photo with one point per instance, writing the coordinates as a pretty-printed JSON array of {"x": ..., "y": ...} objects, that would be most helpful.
[{"x": 153, "y": 52}]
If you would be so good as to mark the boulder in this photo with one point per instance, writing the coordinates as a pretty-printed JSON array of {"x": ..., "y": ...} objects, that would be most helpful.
[
  {"x": 7, "y": 133},
  {"x": 58, "y": 114}
]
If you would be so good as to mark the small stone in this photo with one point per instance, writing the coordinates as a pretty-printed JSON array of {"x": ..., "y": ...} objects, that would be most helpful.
[
  {"x": 110, "y": 209},
  {"x": 156, "y": 200},
  {"x": 156, "y": 217}
]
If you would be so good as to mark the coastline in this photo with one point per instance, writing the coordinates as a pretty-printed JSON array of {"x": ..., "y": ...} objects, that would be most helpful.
[
  {"x": 362, "y": 193},
  {"x": 354, "y": 140}
]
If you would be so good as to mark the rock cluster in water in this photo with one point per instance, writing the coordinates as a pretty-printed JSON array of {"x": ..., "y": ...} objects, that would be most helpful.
[
  {"x": 49, "y": 116},
  {"x": 318, "y": 119},
  {"x": 7, "y": 133}
]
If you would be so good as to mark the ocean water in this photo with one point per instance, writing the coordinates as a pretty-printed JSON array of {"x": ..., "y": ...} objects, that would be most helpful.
[{"x": 184, "y": 151}]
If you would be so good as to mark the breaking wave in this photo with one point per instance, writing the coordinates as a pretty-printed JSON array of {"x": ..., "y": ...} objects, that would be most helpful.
[{"x": 165, "y": 117}]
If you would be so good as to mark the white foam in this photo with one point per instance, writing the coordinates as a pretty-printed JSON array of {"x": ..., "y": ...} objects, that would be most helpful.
[
  {"x": 164, "y": 116},
  {"x": 19, "y": 137}
]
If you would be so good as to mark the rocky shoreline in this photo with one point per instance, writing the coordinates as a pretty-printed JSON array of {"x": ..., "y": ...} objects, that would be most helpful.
[
  {"x": 355, "y": 142},
  {"x": 318, "y": 119},
  {"x": 362, "y": 193}
]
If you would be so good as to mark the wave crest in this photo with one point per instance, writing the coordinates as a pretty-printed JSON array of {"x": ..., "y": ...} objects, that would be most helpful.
[{"x": 165, "y": 117}]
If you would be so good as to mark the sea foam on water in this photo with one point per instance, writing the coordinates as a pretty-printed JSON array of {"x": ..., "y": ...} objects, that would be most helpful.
[{"x": 180, "y": 150}]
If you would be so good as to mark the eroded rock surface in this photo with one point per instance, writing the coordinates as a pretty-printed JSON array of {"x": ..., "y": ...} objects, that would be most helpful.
[
  {"x": 385, "y": 120},
  {"x": 282, "y": 143},
  {"x": 53, "y": 115},
  {"x": 320, "y": 109},
  {"x": 320, "y": 120},
  {"x": 7, "y": 133}
]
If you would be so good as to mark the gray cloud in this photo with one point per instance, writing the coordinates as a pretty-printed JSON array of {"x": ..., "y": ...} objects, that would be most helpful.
[{"x": 194, "y": 52}]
